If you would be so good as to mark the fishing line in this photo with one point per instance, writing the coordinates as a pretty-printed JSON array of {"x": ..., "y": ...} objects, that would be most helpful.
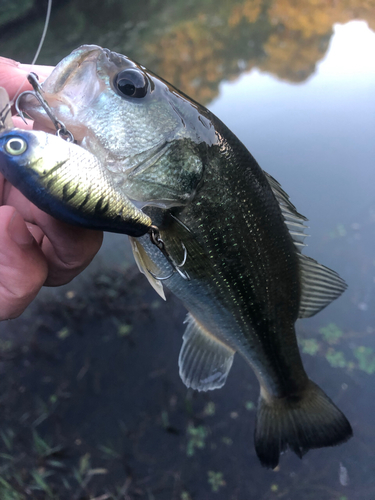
[
  {"x": 46, "y": 24},
  {"x": 7, "y": 108}
]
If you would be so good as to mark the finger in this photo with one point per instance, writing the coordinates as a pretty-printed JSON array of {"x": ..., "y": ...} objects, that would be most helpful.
[
  {"x": 23, "y": 268},
  {"x": 13, "y": 75},
  {"x": 19, "y": 123},
  {"x": 67, "y": 249},
  {"x": 41, "y": 70}
]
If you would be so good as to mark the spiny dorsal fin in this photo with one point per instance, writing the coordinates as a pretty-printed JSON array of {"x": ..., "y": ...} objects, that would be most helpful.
[
  {"x": 320, "y": 286},
  {"x": 204, "y": 360},
  {"x": 145, "y": 264},
  {"x": 293, "y": 219}
]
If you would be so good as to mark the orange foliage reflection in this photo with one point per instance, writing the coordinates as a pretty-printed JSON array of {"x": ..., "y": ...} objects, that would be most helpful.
[{"x": 283, "y": 37}]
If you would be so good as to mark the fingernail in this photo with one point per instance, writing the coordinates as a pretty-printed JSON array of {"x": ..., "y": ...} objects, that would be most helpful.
[{"x": 18, "y": 231}]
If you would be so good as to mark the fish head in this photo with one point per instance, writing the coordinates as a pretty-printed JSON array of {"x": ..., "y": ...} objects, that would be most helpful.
[
  {"x": 127, "y": 117},
  {"x": 104, "y": 99}
]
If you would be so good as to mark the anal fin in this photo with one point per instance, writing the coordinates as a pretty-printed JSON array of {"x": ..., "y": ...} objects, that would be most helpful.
[{"x": 204, "y": 360}]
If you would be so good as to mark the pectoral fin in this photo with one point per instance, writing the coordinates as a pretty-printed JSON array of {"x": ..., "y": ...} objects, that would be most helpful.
[
  {"x": 145, "y": 265},
  {"x": 204, "y": 360}
]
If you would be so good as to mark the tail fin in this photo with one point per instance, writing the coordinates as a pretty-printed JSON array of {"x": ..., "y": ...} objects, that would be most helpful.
[{"x": 299, "y": 423}]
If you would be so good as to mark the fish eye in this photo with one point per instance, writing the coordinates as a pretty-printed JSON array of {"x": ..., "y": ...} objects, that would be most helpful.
[
  {"x": 131, "y": 83},
  {"x": 16, "y": 146}
]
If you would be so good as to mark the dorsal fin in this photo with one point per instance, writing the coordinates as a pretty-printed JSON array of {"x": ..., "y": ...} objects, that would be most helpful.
[
  {"x": 293, "y": 219},
  {"x": 204, "y": 360},
  {"x": 320, "y": 286}
]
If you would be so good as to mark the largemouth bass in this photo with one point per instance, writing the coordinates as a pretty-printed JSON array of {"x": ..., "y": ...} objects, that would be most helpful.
[{"x": 230, "y": 225}]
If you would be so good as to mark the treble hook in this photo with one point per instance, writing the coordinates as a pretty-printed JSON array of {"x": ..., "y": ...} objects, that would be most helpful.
[
  {"x": 3, "y": 115},
  {"x": 61, "y": 130},
  {"x": 157, "y": 241}
]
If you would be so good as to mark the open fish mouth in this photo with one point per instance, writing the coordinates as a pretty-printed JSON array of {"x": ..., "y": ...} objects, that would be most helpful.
[{"x": 72, "y": 84}]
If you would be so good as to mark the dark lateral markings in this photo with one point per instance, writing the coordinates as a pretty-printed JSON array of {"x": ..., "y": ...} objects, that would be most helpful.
[
  {"x": 87, "y": 198},
  {"x": 101, "y": 209},
  {"x": 51, "y": 182},
  {"x": 66, "y": 195}
]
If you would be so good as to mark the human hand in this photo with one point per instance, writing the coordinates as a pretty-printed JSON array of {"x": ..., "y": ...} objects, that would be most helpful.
[{"x": 35, "y": 248}]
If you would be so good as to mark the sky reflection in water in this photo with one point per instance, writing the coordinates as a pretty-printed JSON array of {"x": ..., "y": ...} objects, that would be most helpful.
[{"x": 317, "y": 139}]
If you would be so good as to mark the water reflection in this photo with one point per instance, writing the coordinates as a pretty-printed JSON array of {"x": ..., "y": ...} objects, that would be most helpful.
[
  {"x": 195, "y": 45},
  {"x": 317, "y": 140}
]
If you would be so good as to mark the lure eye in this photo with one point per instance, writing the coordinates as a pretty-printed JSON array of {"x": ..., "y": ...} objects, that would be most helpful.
[
  {"x": 16, "y": 146},
  {"x": 131, "y": 83}
]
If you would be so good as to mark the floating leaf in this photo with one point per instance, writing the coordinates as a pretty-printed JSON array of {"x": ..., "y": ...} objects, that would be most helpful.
[
  {"x": 216, "y": 480},
  {"x": 310, "y": 346},
  {"x": 124, "y": 330},
  {"x": 249, "y": 405},
  {"x": 331, "y": 333},
  {"x": 209, "y": 409},
  {"x": 227, "y": 440},
  {"x": 84, "y": 464},
  {"x": 63, "y": 333},
  {"x": 366, "y": 359},
  {"x": 197, "y": 436},
  {"x": 336, "y": 358}
]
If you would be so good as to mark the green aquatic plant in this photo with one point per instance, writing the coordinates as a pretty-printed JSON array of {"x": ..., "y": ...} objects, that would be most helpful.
[
  {"x": 331, "y": 333},
  {"x": 123, "y": 330},
  {"x": 197, "y": 436},
  {"x": 42, "y": 448},
  {"x": 227, "y": 440},
  {"x": 8, "y": 437},
  {"x": 366, "y": 359},
  {"x": 5, "y": 346},
  {"x": 339, "y": 231},
  {"x": 309, "y": 346},
  {"x": 165, "y": 419},
  {"x": 209, "y": 409},
  {"x": 84, "y": 463},
  {"x": 336, "y": 358},
  {"x": 7, "y": 492},
  {"x": 216, "y": 480},
  {"x": 249, "y": 405},
  {"x": 109, "y": 451},
  {"x": 63, "y": 333},
  {"x": 40, "y": 483},
  {"x": 53, "y": 399}
]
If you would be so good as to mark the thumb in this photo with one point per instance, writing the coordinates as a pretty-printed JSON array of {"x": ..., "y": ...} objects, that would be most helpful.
[{"x": 23, "y": 268}]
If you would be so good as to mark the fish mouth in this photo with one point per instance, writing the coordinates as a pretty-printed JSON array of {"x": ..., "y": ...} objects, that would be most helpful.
[
  {"x": 73, "y": 66},
  {"x": 70, "y": 87}
]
